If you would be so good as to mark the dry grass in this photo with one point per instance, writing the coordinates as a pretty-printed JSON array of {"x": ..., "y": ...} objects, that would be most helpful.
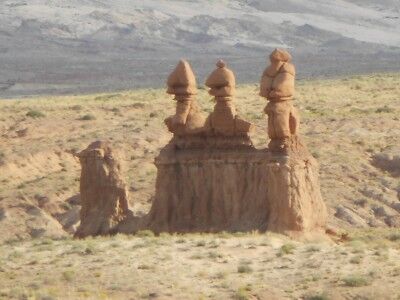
[
  {"x": 344, "y": 122},
  {"x": 176, "y": 267}
]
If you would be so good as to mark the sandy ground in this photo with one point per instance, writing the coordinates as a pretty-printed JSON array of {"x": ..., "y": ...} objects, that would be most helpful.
[{"x": 220, "y": 266}]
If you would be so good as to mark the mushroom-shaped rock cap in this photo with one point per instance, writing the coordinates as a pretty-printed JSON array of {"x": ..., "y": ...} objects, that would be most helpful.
[
  {"x": 280, "y": 55},
  {"x": 182, "y": 80},
  {"x": 221, "y": 76}
]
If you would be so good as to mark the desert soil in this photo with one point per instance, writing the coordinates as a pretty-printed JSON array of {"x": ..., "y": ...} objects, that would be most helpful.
[
  {"x": 346, "y": 123},
  {"x": 223, "y": 266}
]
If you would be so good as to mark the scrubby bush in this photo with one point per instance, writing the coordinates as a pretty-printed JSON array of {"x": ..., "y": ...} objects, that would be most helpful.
[
  {"x": 87, "y": 117},
  {"x": 355, "y": 281},
  {"x": 35, "y": 114}
]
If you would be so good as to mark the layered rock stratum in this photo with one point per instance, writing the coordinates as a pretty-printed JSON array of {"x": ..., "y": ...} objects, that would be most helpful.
[{"x": 236, "y": 190}]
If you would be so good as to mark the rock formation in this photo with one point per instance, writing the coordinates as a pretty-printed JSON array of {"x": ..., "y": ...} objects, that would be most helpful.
[
  {"x": 236, "y": 190},
  {"x": 277, "y": 85},
  {"x": 188, "y": 119},
  {"x": 224, "y": 120},
  {"x": 220, "y": 181},
  {"x": 237, "y": 187},
  {"x": 104, "y": 197}
]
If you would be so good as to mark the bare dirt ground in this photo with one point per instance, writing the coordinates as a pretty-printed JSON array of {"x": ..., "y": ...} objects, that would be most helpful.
[
  {"x": 224, "y": 266},
  {"x": 346, "y": 123}
]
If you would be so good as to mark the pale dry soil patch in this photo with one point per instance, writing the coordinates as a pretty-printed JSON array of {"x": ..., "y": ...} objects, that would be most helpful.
[{"x": 196, "y": 266}]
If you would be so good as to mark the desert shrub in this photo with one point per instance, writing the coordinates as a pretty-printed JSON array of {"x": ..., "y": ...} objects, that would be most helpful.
[
  {"x": 15, "y": 254},
  {"x": 394, "y": 237},
  {"x": 153, "y": 115},
  {"x": 196, "y": 256},
  {"x": 384, "y": 109},
  {"x": 87, "y": 117},
  {"x": 220, "y": 275},
  {"x": 76, "y": 107},
  {"x": 224, "y": 235},
  {"x": 316, "y": 154},
  {"x": 287, "y": 249},
  {"x": 313, "y": 248},
  {"x": 244, "y": 268},
  {"x": 213, "y": 244},
  {"x": 144, "y": 267},
  {"x": 35, "y": 114},
  {"x": 200, "y": 244},
  {"x": 145, "y": 233},
  {"x": 356, "y": 259},
  {"x": 21, "y": 186},
  {"x": 89, "y": 249},
  {"x": 317, "y": 297},
  {"x": 243, "y": 293},
  {"x": 68, "y": 275},
  {"x": 214, "y": 255},
  {"x": 355, "y": 281},
  {"x": 106, "y": 97}
]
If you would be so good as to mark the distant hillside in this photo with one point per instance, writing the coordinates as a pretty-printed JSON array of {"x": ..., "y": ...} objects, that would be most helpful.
[{"x": 77, "y": 46}]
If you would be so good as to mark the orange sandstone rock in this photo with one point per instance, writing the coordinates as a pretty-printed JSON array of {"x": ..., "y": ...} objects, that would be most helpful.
[
  {"x": 277, "y": 85},
  {"x": 224, "y": 120},
  {"x": 283, "y": 119},
  {"x": 246, "y": 189},
  {"x": 182, "y": 80},
  {"x": 221, "y": 81},
  {"x": 216, "y": 180},
  {"x": 104, "y": 197},
  {"x": 235, "y": 186},
  {"x": 188, "y": 119},
  {"x": 277, "y": 81}
]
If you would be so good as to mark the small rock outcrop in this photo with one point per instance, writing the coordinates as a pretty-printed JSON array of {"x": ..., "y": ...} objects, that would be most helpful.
[{"x": 103, "y": 195}]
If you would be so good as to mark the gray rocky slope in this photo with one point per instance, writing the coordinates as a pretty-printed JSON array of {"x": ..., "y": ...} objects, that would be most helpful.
[{"x": 79, "y": 46}]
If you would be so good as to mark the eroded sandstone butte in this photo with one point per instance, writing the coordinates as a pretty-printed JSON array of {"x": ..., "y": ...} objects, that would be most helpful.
[
  {"x": 210, "y": 177},
  {"x": 221, "y": 182},
  {"x": 235, "y": 190}
]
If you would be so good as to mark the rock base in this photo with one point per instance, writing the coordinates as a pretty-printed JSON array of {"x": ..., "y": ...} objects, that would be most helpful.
[{"x": 244, "y": 189}]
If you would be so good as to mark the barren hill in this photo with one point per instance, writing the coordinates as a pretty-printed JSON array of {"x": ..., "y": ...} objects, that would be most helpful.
[{"x": 96, "y": 45}]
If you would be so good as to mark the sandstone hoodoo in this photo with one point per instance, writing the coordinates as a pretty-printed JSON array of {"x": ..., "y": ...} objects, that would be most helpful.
[
  {"x": 210, "y": 177},
  {"x": 277, "y": 85},
  {"x": 188, "y": 119},
  {"x": 104, "y": 197},
  {"x": 227, "y": 184},
  {"x": 224, "y": 124}
]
